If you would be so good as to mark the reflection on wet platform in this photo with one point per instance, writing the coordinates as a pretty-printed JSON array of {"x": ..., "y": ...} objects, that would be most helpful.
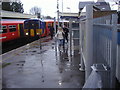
[{"x": 50, "y": 68}]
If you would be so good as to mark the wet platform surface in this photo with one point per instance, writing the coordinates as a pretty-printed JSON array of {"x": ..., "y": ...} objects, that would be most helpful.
[{"x": 30, "y": 67}]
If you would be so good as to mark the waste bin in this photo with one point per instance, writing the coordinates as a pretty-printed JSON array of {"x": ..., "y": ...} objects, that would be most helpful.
[
  {"x": 99, "y": 77},
  {"x": 104, "y": 71}
]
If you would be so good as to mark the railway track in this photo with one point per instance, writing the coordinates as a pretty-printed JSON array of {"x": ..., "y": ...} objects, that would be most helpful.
[{"x": 6, "y": 47}]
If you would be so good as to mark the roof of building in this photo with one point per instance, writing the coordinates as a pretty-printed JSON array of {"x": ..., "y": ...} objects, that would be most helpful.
[
  {"x": 101, "y": 4},
  {"x": 68, "y": 15},
  {"x": 9, "y": 14}
]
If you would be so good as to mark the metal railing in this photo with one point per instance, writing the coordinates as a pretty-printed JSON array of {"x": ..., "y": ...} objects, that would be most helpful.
[{"x": 98, "y": 41}]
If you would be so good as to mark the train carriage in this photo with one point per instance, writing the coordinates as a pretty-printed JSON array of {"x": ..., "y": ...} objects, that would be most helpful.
[
  {"x": 48, "y": 23},
  {"x": 10, "y": 30},
  {"x": 34, "y": 27}
]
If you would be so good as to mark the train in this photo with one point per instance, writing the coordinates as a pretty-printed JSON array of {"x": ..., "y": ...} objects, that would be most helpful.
[
  {"x": 16, "y": 29},
  {"x": 12, "y": 29},
  {"x": 29, "y": 28},
  {"x": 35, "y": 27}
]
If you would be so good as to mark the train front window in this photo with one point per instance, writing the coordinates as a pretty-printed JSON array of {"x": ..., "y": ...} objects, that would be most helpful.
[
  {"x": 4, "y": 29},
  {"x": 34, "y": 24},
  {"x": 26, "y": 25},
  {"x": 37, "y": 25},
  {"x": 12, "y": 28}
]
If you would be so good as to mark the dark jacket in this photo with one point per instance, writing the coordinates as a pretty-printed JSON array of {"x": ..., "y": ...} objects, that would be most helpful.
[{"x": 66, "y": 31}]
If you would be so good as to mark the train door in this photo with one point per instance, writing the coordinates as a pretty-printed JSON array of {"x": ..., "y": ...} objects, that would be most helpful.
[
  {"x": 21, "y": 30},
  {"x": 46, "y": 29}
]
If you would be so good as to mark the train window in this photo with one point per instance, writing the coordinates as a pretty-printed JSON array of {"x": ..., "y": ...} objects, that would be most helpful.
[
  {"x": 12, "y": 28},
  {"x": 4, "y": 29},
  {"x": 37, "y": 25},
  {"x": 26, "y": 25}
]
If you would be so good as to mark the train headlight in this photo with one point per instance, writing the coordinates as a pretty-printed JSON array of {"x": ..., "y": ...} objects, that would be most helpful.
[
  {"x": 26, "y": 34},
  {"x": 38, "y": 33}
]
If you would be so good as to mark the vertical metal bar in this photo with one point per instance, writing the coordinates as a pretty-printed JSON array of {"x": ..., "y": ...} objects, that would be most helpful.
[
  {"x": 109, "y": 51},
  {"x": 55, "y": 31},
  {"x": 55, "y": 25},
  {"x": 70, "y": 29},
  {"x": 80, "y": 47},
  {"x": 62, "y": 14},
  {"x": 58, "y": 12},
  {"x": 55, "y": 40},
  {"x": 40, "y": 35},
  {"x": 89, "y": 39},
  {"x": 114, "y": 50}
]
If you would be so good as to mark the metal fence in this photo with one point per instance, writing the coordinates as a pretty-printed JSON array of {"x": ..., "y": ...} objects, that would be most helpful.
[
  {"x": 74, "y": 36},
  {"x": 118, "y": 55},
  {"x": 98, "y": 42}
]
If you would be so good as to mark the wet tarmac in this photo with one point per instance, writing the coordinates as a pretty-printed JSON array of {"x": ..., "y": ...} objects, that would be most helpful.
[{"x": 48, "y": 67}]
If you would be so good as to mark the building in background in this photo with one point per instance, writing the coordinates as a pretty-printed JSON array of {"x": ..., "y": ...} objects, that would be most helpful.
[
  {"x": 100, "y": 4},
  {"x": 119, "y": 6}
]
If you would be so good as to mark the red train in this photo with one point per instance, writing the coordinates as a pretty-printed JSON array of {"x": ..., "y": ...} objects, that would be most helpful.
[
  {"x": 30, "y": 28},
  {"x": 15, "y": 29},
  {"x": 10, "y": 30}
]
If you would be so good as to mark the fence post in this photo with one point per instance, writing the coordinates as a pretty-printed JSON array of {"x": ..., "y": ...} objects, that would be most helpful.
[
  {"x": 89, "y": 40},
  {"x": 70, "y": 29},
  {"x": 82, "y": 67},
  {"x": 55, "y": 25},
  {"x": 114, "y": 51}
]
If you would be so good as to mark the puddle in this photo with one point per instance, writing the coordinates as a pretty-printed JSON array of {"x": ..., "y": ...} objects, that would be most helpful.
[
  {"x": 5, "y": 64},
  {"x": 53, "y": 43},
  {"x": 52, "y": 47},
  {"x": 21, "y": 61},
  {"x": 67, "y": 69},
  {"x": 41, "y": 52},
  {"x": 33, "y": 51},
  {"x": 43, "y": 80},
  {"x": 65, "y": 80},
  {"x": 20, "y": 64},
  {"x": 66, "y": 58},
  {"x": 24, "y": 52}
]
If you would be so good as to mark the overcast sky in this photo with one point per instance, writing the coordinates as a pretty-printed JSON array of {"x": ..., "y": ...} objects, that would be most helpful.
[{"x": 49, "y": 7}]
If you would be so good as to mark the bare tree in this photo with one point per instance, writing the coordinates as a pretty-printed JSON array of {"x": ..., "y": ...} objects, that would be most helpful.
[
  {"x": 35, "y": 10},
  {"x": 12, "y": 5}
]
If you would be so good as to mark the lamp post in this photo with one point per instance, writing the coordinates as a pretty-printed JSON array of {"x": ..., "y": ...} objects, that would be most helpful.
[
  {"x": 39, "y": 17},
  {"x": 62, "y": 13},
  {"x": 58, "y": 12}
]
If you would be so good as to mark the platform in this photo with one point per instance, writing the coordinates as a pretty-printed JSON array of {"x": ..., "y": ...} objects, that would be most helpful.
[{"x": 32, "y": 67}]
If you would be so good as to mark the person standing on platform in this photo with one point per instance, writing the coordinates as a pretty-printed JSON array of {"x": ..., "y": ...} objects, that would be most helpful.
[
  {"x": 51, "y": 31},
  {"x": 60, "y": 36},
  {"x": 66, "y": 31}
]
